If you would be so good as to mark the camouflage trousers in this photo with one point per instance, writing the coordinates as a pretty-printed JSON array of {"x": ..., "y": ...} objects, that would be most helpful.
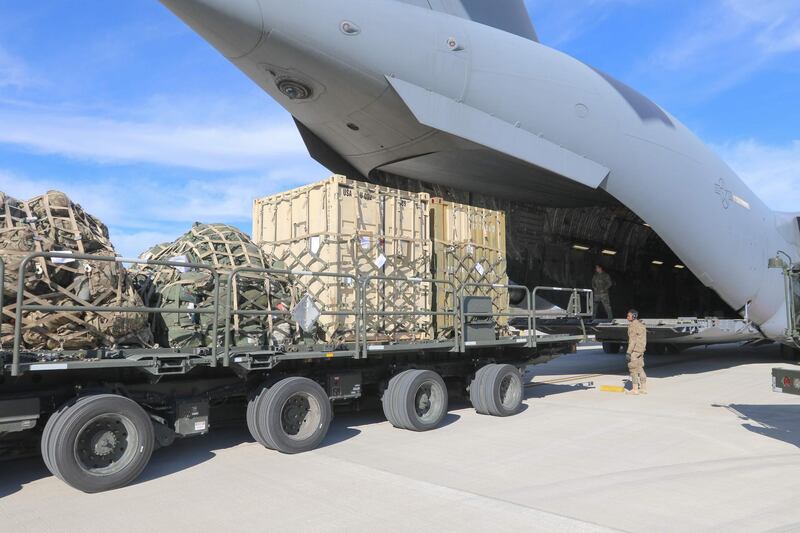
[
  {"x": 636, "y": 369},
  {"x": 603, "y": 298}
]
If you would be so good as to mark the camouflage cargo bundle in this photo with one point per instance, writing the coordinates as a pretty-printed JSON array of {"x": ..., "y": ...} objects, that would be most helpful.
[
  {"x": 224, "y": 248},
  {"x": 52, "y": 223}
]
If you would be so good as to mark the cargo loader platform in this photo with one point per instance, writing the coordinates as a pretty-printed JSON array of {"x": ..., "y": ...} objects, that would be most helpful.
[
  {"x": 151, "y": 396},
  {"x": 662, "y": 334}
]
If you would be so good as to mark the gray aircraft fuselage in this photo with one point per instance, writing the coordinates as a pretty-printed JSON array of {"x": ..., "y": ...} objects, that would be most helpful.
[{"x": 426, "y": 94}]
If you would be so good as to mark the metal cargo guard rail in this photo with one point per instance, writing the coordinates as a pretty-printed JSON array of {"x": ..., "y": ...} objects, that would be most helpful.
[
  {"x": 360, "y": 311},
  {"x": 256, "y": 270},
  {"x": 526, "y": 313},
  {"x": 21, "y": 307},
  {"x": 432, "y": 282},
  {"x": 575, "y": 292}
]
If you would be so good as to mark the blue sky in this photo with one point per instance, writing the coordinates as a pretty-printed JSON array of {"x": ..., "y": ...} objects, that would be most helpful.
[{"x": 120, "y": 105}]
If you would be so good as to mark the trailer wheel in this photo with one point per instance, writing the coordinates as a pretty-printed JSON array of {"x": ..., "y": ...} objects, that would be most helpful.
[
  {"x": 251, "y": 422},
  {"x": 293, "y": 415},
  {"x": 496, "y": 390},
  {"x": 252, "y": 419},
  {"x": 612, "y": 347},
  {"x": 415, "y": 400},
  {"x": 47, "y": 432},
  {"x": 100, "y": 443}
]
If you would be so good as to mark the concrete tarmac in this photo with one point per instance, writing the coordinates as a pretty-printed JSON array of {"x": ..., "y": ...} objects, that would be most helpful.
[{"x": 711, "y": 448}]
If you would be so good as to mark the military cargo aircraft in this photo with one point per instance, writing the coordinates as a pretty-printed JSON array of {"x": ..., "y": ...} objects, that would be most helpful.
[{"x": 460, "y": 96}]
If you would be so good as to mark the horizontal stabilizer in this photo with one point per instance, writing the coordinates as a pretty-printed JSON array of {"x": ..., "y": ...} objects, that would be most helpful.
[{"x": 460, "y": 120}]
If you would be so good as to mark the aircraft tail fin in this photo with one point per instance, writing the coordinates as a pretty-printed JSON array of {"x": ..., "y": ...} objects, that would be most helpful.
[{"x": 507, "y": 15}]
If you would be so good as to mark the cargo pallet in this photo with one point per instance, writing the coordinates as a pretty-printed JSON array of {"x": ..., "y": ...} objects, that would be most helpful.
[{"x": 102, "y": 412}]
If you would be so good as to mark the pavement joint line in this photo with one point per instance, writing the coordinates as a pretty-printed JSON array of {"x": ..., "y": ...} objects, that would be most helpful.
[
  {"x": 475, "y": 494},
  {"x": 698, "y": 465},
  {"x": 646, "y": 414}
]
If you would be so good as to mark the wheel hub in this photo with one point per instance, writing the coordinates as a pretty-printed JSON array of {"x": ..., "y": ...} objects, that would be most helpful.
[
  {"x": 295, "y": 414},
  {"x": 102, "y": 445},
  {"x": 104, "y": 442},
  {"x": 423, "y": 400}
]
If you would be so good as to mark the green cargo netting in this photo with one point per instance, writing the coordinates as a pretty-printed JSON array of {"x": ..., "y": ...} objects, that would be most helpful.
[{"x": 223, "y": 248}]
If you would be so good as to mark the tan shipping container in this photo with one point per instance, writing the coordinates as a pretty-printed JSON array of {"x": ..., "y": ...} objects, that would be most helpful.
[
  {"x": 469, "y": 246},
  {"x": 351, "y": 227}
]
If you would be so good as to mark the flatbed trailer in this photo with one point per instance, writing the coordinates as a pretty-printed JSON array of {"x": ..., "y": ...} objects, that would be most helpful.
[{"x": 99, "y": 413}]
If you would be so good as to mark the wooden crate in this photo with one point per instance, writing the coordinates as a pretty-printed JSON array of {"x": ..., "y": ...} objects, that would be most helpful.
[
  {"x": 356, "y": 228},
  {"x": 469, "y": 246}
]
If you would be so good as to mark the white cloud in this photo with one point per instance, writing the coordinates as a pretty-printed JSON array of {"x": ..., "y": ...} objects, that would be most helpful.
[
  {"x": 776, "y": 23},
  {"x": 773, "y": 172},
  {"x": 135, "y": 243},
  {"x": 13, "y": 71},
  {"x": 729, "y": 40},
  {"x": 224, "y": 147},
  {"x": 559, "y": 22},
  {"x": 144, "y": 212}
]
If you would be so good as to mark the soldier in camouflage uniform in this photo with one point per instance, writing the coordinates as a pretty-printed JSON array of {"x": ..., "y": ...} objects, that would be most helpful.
[
  {"x": 601, "y": 284},
  {"x": 637, "y": 344}
]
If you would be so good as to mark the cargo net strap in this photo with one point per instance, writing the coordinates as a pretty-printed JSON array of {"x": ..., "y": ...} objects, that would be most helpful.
[
  {"x": 52, "y": 223},
  {"x": 362, "y": 256},
  {"x": 470, "y": 264},
  {"x": 47, "y": 223},
  {"x": 223, "y": 248},
  {"x": 218, "y": 246},
  {"x": 93, "y": 284}
]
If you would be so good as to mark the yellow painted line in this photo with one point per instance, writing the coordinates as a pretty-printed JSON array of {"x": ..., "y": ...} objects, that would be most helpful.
[
  {"x": 612, "y": 388},
  {"x": 329, "y": 355}
]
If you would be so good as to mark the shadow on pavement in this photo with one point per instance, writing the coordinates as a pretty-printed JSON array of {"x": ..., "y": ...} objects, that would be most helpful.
[
  {"x": 693, "y": 361},
  {"x": 551, "y": 389},
  {"x": 190, "y": 452},
  {"x": 15, "y": 474},
  {"x": 186, "y": 453},
  {"x": 779, "y": 422}
]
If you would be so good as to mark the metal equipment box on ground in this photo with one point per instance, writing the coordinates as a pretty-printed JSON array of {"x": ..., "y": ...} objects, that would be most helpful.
[
  {"x": 469, "y": 249},
  {"x": 359, "y": 229}
]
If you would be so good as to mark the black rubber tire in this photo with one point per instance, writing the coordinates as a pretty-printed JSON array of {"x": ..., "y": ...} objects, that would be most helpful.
[
  {"x": 400, "y": 400},
  {"x": 252, "y": 420},
  {"x": 476, "y": 398},
  {"x": 250, "y": 417},
  {"x": 390, "y": 398},
  {"x": 67, "y": 430},
  {"x": 47, "y": 433},
  {"x": 269, "y": 412},
  {"x": 612, "y": 348},
  {"x": 497, "y": 390}
]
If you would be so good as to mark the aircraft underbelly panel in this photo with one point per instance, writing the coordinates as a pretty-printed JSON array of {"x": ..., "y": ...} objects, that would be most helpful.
[{"x": 510, "y": 178}]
